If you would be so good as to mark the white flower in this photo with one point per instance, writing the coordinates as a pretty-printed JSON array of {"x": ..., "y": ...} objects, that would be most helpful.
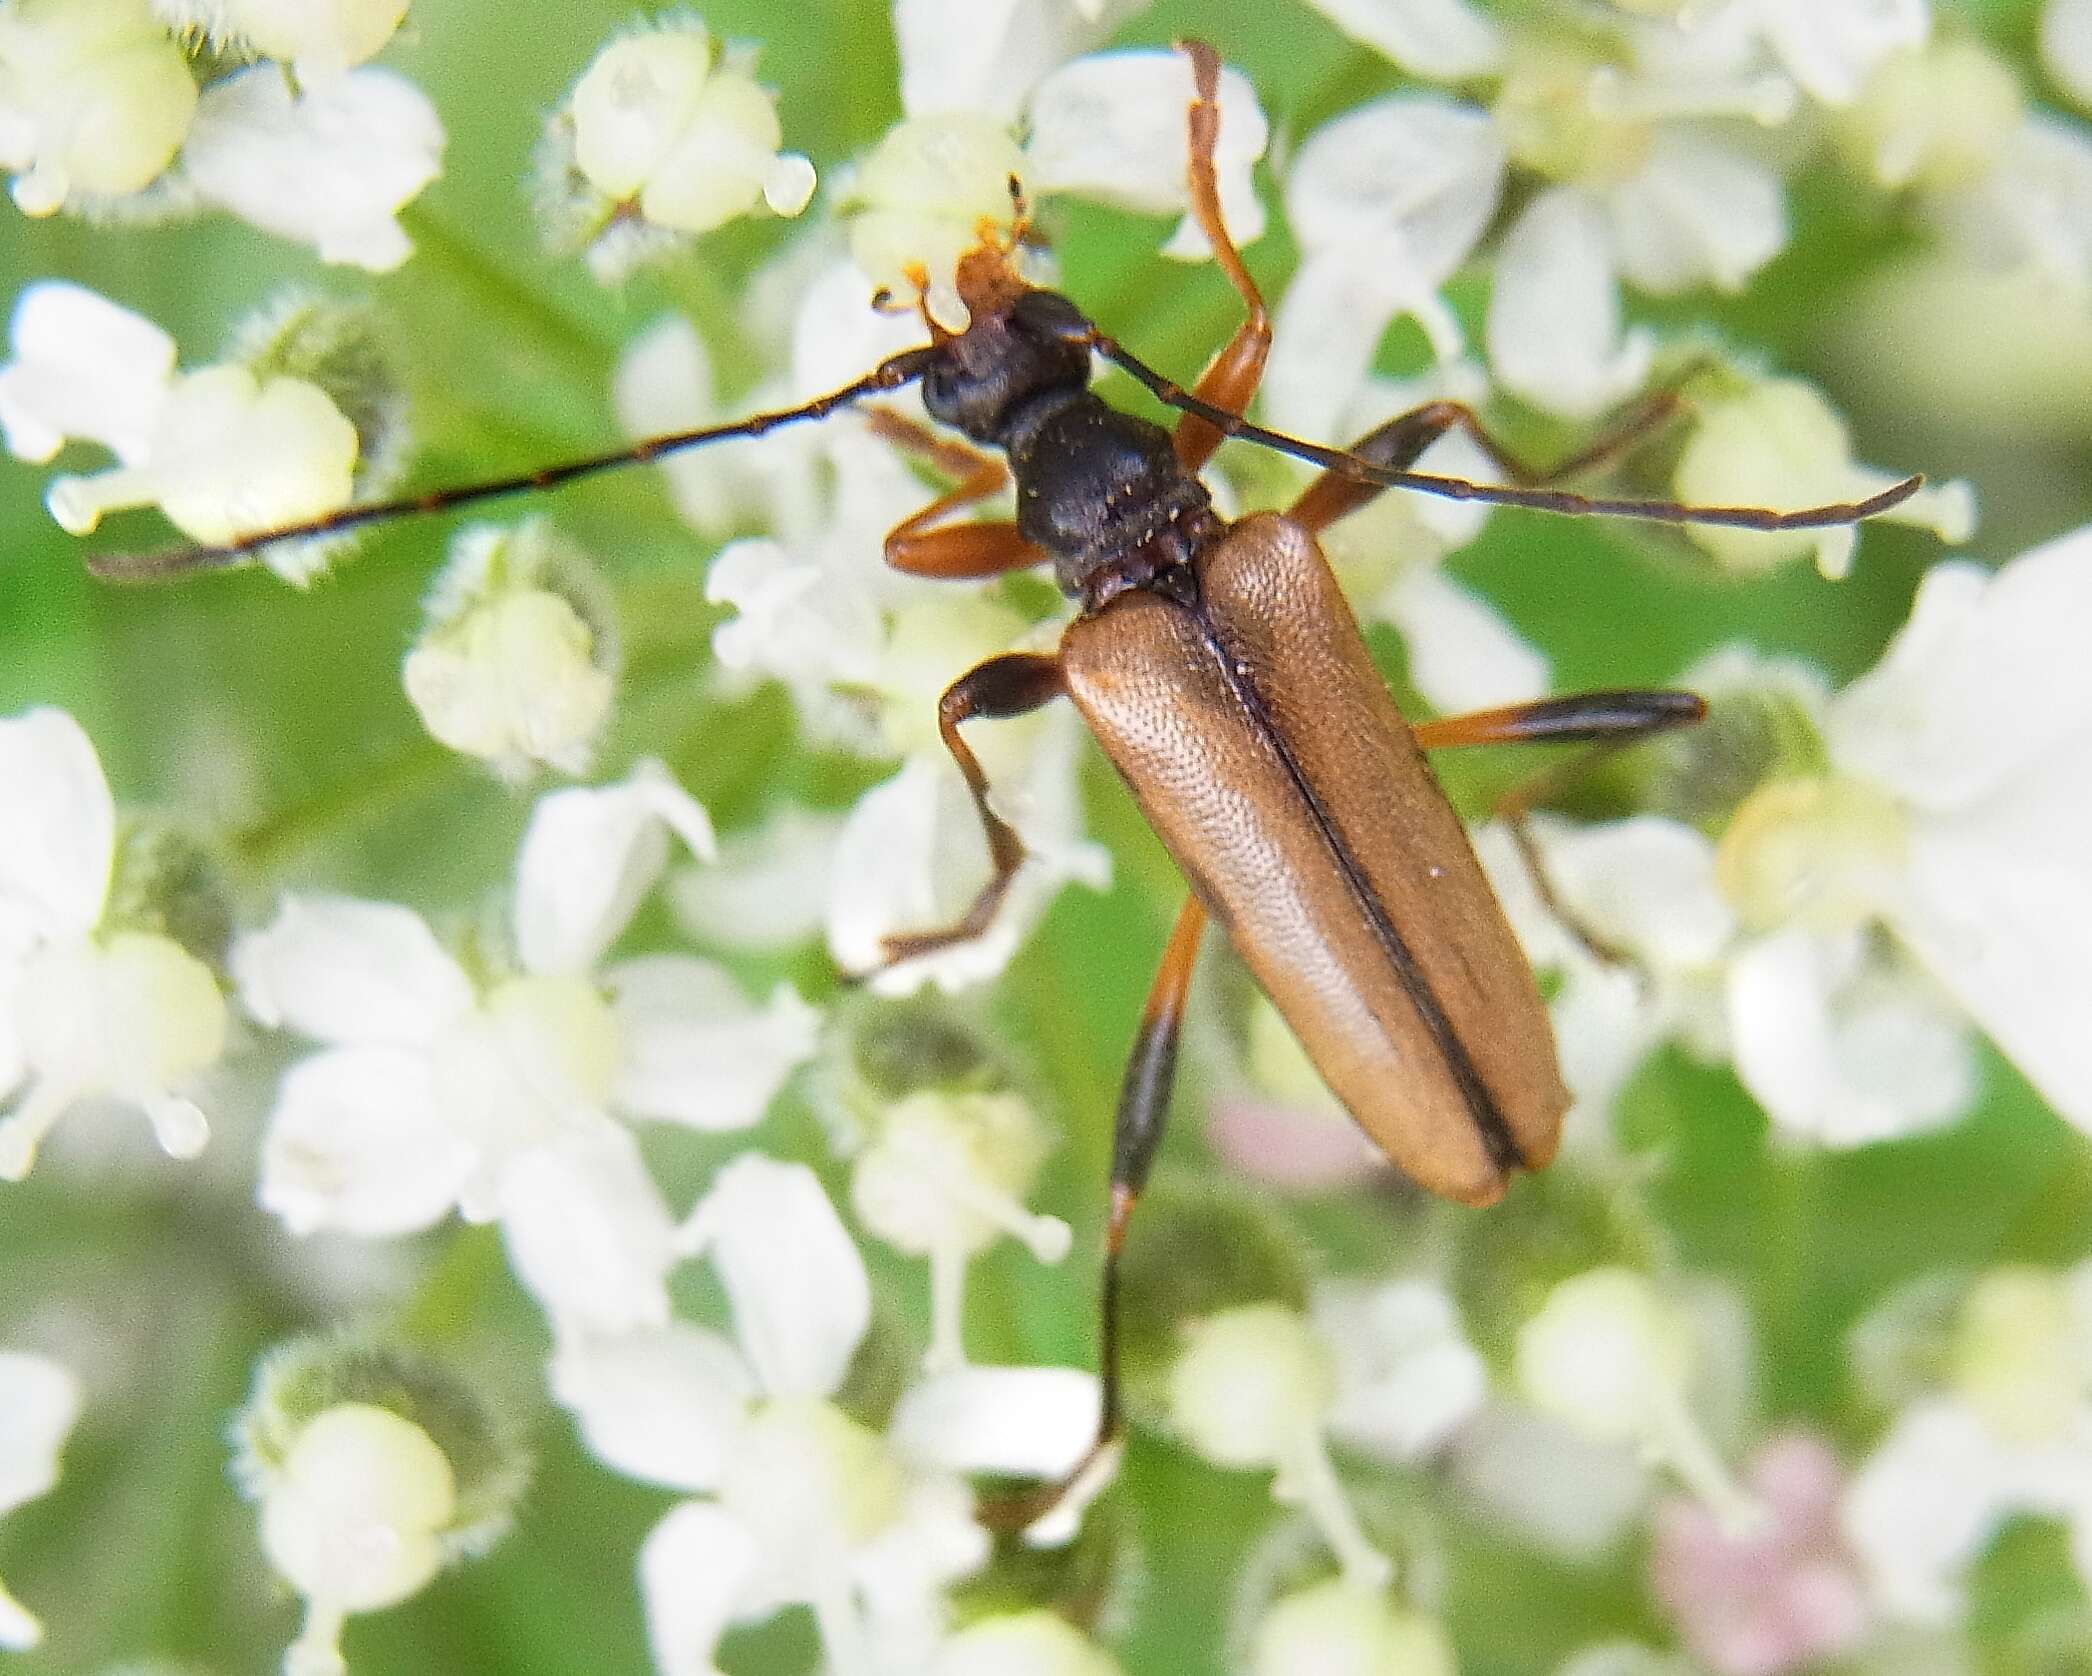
[
  {"x": 354, "y": 1521},
  {"x": 328, "y": 164},
  {"x": 1406, "y": 1377},
  {"x": 1614, "y": 1357},
  {"x": 1831, "y": 49},
  {"x": 317, "y": 38},
  {"x": 40, "y": 1401},
  {"x": 94, "y": 100},
  {"x": 800, "y": 1504},
  {"x": 1440, "y": 40},
  {"x": 1779, "y": 444},
  {"x": 1387, "y": 201},
  {"x": 1254, "y": 1387},
  {"x": 1936, "y": 119},
  {"x": 2010, "y": 1433},
  {"x": 987, "y": 55},
  {"x": 517, "y": 661},
  {"x": 1644, "y": 191},
  {"x": 218, "y": 450},
  {"x": 1970, "y": 847},
  {"x": 944, "y": 1176},
  {"x": 1111, "y": 126},
  {"x": 667, "y": 132},
  {"x": 87, "y": 1008},
  {"x": 2033, "y": 211},
  {"x": 1341, "y": 1628},
  {"x": 432, "y": 1092}
]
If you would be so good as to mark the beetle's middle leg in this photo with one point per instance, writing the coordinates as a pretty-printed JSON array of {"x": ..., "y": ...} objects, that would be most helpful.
[
  {"x": 1013, "y": 684},
  {"x": 925, "y": 543},
  {"x": 1603, "y": 722},
  {"x": 1399, "y": 442},
  {"x": 1144, "y": 1096},
  {"x": 1232, "y": 378}
]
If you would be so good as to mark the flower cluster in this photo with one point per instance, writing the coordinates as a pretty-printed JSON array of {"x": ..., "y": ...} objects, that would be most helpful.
[{"x": 575, "y": 1011}]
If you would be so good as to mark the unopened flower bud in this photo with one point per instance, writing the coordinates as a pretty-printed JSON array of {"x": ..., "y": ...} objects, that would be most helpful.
[
  {"x": 1340, "y": 1629},
  {"x": 2019, "y": 1354},
  {"x": 517, "y": 660},
  {"x": 1022, "y": 1644},
  {"x": 1821, "y": 852},
  {"x": 319, "y": 38}
]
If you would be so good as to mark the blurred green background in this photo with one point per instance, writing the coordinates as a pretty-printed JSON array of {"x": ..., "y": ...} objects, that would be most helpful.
[{"x": 284, "y": 711}]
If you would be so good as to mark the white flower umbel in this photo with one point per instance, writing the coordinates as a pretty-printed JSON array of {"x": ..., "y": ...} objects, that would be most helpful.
[
  {"x": 1110, "y": 127},
  {"x": 1254, "y": 1388},
  {"x": 517, "y": 658},
  {"x": 1613, "y": 1356},
  {"x": 799, "y": 1503},
  {"x": 88, "y": 1008},
  {"x": 2009, "y": 1432},
  {"x": 328, "y": 164},
  {"x": 319, "y": 39},
  {"x": 433, "y": 1091},
  {"x": 1344, "y": 1628},
  {"x": 943, "y": 1176},
  {"x": 95, "y": 100},
  {"x": 1778, "y": 444},
  {"x": 39, "y": 1401},
  {"x": 1969, "y": 844},
  {"x": 668, "y": 134}
]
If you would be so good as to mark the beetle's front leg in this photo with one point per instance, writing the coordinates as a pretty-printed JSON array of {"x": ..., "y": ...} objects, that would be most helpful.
[
  {"x": 1605, "y": 721},
  {"x": 1144, "y": 1096},
  {"x": 1011, "y": 685}
]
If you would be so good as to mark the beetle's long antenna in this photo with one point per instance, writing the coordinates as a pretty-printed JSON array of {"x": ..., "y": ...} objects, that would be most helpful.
[
  {"x": 890, "y": 374},
  {"x": 1172, "y": 394}
]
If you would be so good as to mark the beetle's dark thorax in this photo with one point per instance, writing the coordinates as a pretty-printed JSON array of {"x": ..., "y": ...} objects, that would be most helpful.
[{"x": 1100, "y": 490}]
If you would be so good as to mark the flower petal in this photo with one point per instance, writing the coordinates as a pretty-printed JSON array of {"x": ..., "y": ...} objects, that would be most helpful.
[
  {"x": 1111, "y": 126},
  {"x": 589, "y": 855},
  {"x": 57, "y": 824},
  {"x": 986, "y": 55},
  {"x": 587, "y": 1231},
  {"x": 1926, "y": 1503},
  {"x": 660, "y": 1405},
  {"x": 1554, "y": 312},
  {"x": 1696, "y": 213},
  {"x": 1441, "y": 40},
  {"x": 769, "y": 889},
  {"x": 357, "y": 1142},
  {"x": 798, "y": 1289},
  {"x": 83, "y": 367},
  {"x": 1462, "y": 654},
  {"x": 343, "y": 970},
  {"x": 1843, "y": 1057},
  {"x": 1026, "y": 1422},
  {"x": 1407, "y": 1378},
  {"x": 328, "y": 164},
  {"x": 41, "y": 1399},
  {"x": 2066, "y": 47},
  {"x": 693, "y": 1567},
  {"x": 696, "y": 1051}
]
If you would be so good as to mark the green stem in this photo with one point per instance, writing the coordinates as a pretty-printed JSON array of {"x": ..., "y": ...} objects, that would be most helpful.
[
  {"x": 496, "y": 286},
  {"x": 272, "y": 842}
]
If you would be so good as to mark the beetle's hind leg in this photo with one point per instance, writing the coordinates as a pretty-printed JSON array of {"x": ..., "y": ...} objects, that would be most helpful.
[
  {"x": 1144, "y": 1096},
  {"x": 1603, "y": 722},
  {"x": 1011, "y": 685},
  {"x": 1401, "y": 441},
  {"x": 1232, "y": 378}
]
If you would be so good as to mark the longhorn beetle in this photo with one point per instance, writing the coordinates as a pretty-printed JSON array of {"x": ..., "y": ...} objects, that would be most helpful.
[{"x": 1224, "y": 676}]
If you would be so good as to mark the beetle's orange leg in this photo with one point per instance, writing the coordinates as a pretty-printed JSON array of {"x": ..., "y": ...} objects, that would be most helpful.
[
  {"x": 1236, "y": 371},
  {"x": 1144, "y": 1096},
  {"x": 1011, "y": 685},
  {"x": 1399, "y": 442},
  {"x": 953, "y": 552},
  {"x": 1604, "y": 721}
]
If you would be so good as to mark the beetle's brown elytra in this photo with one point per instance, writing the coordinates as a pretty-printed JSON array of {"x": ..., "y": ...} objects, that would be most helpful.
[{"x": 1223, "y": 674}]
